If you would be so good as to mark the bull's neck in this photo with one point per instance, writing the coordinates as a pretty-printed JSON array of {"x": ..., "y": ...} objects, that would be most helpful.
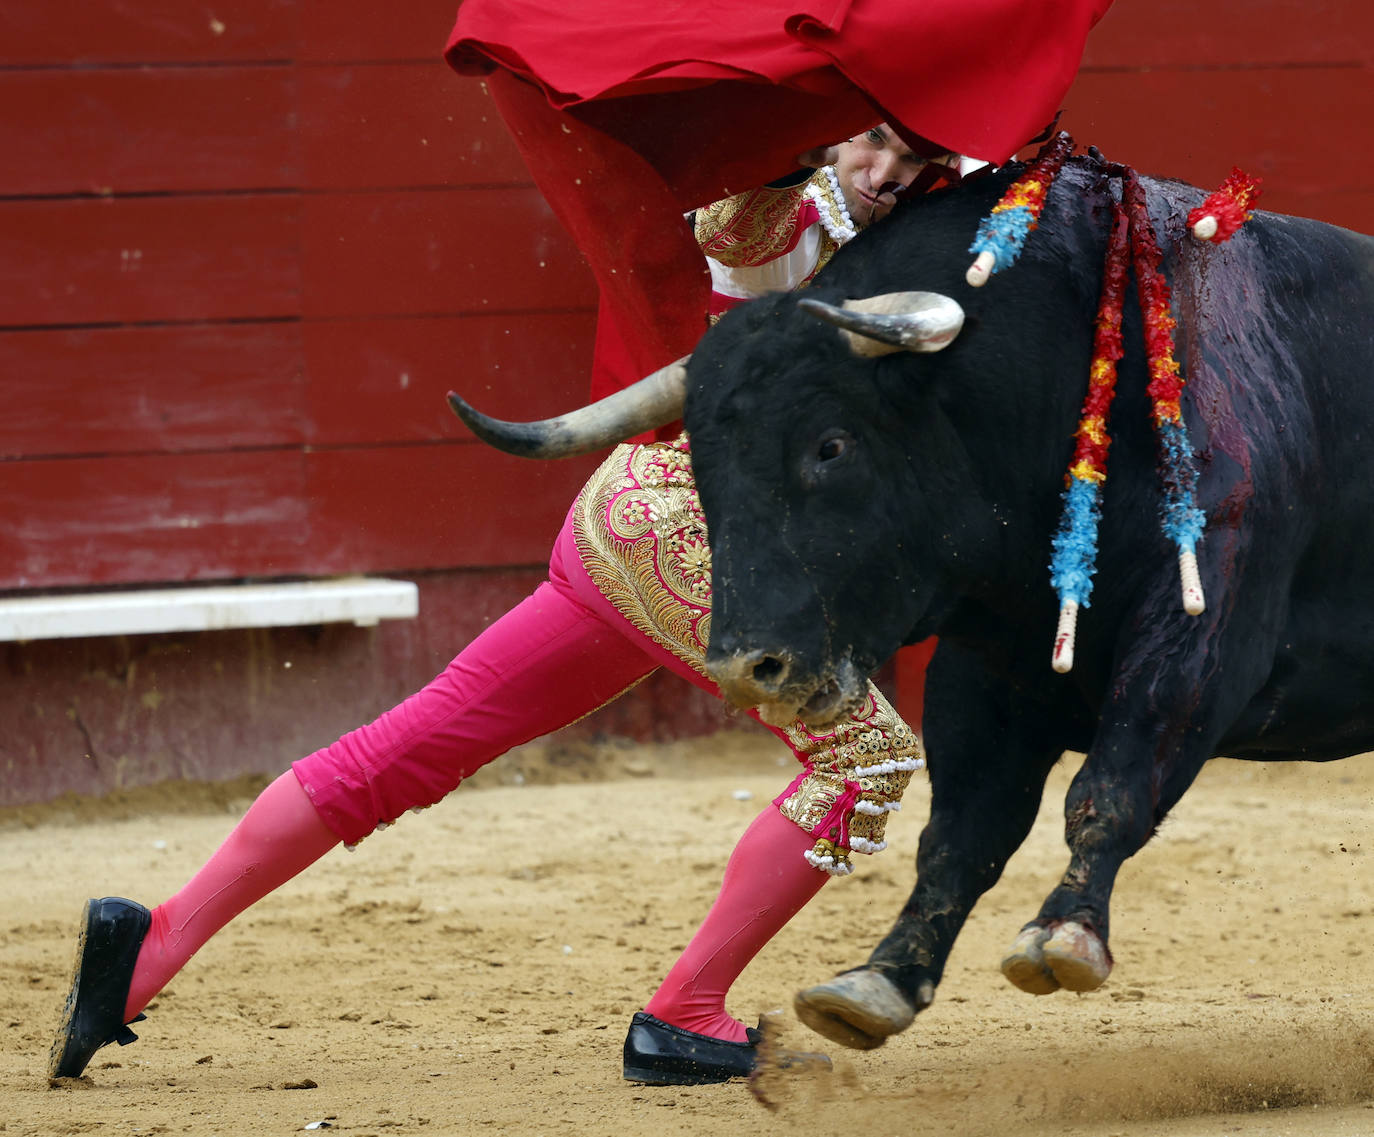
[
  {"x": 1017, "y": 452},
  {"x": 1011, "y": 420}
]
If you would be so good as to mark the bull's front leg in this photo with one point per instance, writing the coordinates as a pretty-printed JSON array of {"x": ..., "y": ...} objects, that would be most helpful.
[
  {"x": 1111, "y": 811},
  {"x": 989, "y": 754},
  {"x": 1169, "y": 705}
]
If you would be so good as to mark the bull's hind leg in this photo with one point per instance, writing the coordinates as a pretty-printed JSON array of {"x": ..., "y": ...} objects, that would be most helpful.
[{"x": 988, "y": 763}]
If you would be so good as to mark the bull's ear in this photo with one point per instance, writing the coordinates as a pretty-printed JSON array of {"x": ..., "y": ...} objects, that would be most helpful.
[{"x": 893, "y": 321}]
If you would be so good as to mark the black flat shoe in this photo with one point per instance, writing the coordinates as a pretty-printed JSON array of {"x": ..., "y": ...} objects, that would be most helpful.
[
  {"x": 659, "y": 1054},
  {"x": 106, "y": 949}
]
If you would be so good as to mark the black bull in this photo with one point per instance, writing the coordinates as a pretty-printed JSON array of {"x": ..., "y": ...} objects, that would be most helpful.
[{"x": 856, "y": 504}]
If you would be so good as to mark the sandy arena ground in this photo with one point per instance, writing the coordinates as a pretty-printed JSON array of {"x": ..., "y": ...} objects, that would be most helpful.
[{"x": 473, "y": 969}]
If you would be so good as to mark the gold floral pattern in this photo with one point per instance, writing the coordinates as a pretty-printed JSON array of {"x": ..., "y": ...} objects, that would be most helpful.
[
  {"x": 642, "y": 538},
  {"x": 856, "y": 774},
  {"x": 641, "y": 535},
  {"x": 754, "y": 227}
]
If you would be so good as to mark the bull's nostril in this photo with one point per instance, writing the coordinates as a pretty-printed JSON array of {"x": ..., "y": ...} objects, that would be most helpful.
[{"x": 768, "y": 671}]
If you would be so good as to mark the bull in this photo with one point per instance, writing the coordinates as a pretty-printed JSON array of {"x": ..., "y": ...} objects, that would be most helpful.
[{"x": 861, "y": 497}]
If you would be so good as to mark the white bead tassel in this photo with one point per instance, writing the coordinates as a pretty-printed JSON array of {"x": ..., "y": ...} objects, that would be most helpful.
[
  {"x": 1193, "y": 602},
  {"x": 1064, "y": 637},
  {"x": 829, "y": 865},
  {"x": 891, "y": 766}
]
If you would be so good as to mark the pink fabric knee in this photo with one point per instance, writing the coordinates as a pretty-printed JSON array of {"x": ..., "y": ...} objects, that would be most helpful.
[
  {"x": 546, "y": 663},
  {"x": 557, "y": 656}
]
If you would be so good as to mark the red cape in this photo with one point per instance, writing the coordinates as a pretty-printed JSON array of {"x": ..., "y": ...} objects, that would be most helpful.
[{"x": 629, "y": 113}]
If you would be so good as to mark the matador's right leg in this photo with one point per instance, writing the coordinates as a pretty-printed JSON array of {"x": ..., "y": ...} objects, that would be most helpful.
[
  {"x": 640, "y": 540},
  {"x": 641, "y": 545}
]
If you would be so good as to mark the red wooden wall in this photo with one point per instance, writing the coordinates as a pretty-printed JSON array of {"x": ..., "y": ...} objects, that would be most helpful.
[
  {"x": 244, "y": 254},
  {"x": 242, "y": 258},
  {"x": 1282, "y": 88}
]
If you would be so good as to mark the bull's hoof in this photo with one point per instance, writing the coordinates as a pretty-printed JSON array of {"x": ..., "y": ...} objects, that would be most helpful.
[
  {"x": 1025, "y": 967},
  {"x": 1067, "y": 955},
  {"x": 858, "y": 1009},
  {"x": 1078, "y": 957}
]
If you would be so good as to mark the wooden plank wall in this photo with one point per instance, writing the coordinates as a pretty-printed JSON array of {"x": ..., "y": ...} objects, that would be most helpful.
[
  {"x": 242, "y": 258},
  {"x": 1282, "y": 88},
  {"x": 244, "y": 254}
]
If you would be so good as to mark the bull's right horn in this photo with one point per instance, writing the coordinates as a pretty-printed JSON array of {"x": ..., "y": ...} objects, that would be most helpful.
[
  {"x": 654, "y": 401},
  {"x": 893, "y": 321}
]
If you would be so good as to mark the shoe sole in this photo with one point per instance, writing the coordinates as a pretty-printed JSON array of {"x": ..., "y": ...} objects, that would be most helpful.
[
  {"x": 64, "y": 1025},
  {"x": 649, "y": 1077}
]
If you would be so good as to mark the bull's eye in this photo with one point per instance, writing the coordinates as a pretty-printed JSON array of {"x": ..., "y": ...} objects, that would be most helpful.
[
  {"x": 833, "y": 446},
  {"x": 830, "y": 456}
]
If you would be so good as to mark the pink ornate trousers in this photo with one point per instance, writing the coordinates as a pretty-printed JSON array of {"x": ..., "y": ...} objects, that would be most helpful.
[{"x": 629, "y": 590}]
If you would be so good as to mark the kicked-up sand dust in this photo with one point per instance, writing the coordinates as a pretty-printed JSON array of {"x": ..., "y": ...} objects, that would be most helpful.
[{"x": 473, "y": 969}]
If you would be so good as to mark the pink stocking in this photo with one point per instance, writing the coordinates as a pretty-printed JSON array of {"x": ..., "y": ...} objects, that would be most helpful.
[
  {"x": 767, "y": 882},
  {"x": 278, "y": 837}
]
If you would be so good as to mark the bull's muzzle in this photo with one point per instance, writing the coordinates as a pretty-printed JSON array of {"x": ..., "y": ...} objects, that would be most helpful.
[
  {"x": 749, "y": 677},
  {"x": 772, "y": 683}
]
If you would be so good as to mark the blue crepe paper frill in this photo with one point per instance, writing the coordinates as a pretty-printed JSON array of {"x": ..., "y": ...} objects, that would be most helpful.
[
  {"x": 1004, "y": 234},
  {"x": 1182, "y": 521},
  {"x": 1075, "y": 545}
]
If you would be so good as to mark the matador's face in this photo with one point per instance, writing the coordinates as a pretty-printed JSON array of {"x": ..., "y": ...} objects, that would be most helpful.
[{"x": 870, "y": 167}]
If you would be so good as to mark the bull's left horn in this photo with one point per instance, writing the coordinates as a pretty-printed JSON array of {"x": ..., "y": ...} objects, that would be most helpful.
[
  {"x": 654, "y": 401},
  {"x": 893, "y": 321}
]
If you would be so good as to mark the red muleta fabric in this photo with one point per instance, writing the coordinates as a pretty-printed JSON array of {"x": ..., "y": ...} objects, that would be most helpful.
[{"x": 644, "y": 111}]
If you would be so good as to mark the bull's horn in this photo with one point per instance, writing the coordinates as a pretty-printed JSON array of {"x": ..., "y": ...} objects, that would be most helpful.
[
  {"x": 652, "y": 402},
  {"x": 894, "y": 321}
]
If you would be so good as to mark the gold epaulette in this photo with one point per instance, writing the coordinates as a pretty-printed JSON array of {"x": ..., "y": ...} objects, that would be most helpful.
[{"x": 754, "y": 227}]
